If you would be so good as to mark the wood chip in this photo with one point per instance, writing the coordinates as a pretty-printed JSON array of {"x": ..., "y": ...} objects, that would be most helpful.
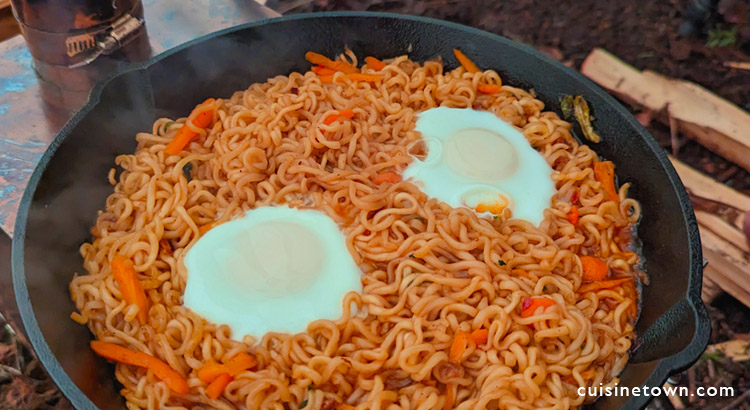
[
  {"x": 738, "y": 350},
  {"x": 739, "y": 65}
]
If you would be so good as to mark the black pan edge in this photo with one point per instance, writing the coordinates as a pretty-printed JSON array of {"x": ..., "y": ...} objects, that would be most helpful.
[{"x": 697, "y": 312}]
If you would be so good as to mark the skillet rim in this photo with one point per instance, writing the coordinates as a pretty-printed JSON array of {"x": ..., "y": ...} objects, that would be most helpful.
[{"x": 661, "y": 371}]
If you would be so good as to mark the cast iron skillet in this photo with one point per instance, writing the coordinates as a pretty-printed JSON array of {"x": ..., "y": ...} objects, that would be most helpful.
[{"x": 70, "y": 185}]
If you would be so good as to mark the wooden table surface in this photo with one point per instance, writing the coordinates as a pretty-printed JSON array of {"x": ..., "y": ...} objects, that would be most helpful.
[{"x": 28, "y": 124}]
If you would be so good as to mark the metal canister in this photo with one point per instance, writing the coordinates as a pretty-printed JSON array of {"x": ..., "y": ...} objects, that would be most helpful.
[{"x": 75, "y": 43}]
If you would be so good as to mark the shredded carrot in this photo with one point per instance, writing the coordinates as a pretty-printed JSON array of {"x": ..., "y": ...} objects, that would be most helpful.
[
  {"x": 239, "y": 363},
  {"x": 374, "y": 63},
  {"x": 342, "y": 114},
  {"x": 319, "y": 59},
  {"x": 603, "y": 284},
  {"x": 479, "y": 336},
  {"x": 530, "y": 305},
  {"x": 322, "y": 70},
  {"x": 488, "y": 88},
  {"x": 211, "y": 370},
  {"x": 207, "y": 227},
  {"x": 459, "y": 346},
  {"x": 117, "y": 353},
  {"x": 466, "y": 63},
  {"x": 604, "y": 172},
  {"x": 386, "y": 177},
  {"x": 347, "y": 407},
  {"x": 217, "y": 386},
  {"x": 594, "y": 269},
  {"x": 234, "y": 366},
  {"x": 201, "y": 117},
  {"x": 131, "y": 289},
  {"x": 573, "y": 215},
  {"x": 449, "y": 397}
]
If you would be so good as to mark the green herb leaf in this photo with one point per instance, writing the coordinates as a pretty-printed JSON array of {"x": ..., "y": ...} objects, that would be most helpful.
[
  {"x": 420, "y": 219},
  {"x": 581, "y": 110},
  {"x": 566, "y": 105},
  {"x": 544, "y": 289},
  {"x": 583, "y": 346},
  {"x": 303, "y": 404},
  {"x": 716, "y": 356},
  {"x": 722, "y": 38},
  {"x": 411, "y": 255},
  {"x": 311, "y": 387},
  {"x": 501, "y": 262},
  {"x": 187, "y": 171}
]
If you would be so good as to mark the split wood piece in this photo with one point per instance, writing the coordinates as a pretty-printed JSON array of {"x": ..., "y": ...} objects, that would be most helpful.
[
  {"x": 714, "y": 122},
  {"x": 724, "y": 244}
]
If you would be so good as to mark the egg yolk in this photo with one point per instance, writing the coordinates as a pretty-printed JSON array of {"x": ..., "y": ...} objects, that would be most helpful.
[{"x": 480, "y": 154}]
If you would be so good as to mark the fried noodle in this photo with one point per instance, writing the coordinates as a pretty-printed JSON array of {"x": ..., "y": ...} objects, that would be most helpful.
[{"x": 428, "y": 270}]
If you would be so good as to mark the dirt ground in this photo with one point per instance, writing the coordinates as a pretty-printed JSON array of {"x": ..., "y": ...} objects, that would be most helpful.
[{"x": 644, "y": 33}]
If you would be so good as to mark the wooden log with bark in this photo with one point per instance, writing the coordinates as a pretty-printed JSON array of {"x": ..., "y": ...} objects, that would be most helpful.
[
  {"x": 699, "y": 114},
  {"x": 720, "y": 210}
]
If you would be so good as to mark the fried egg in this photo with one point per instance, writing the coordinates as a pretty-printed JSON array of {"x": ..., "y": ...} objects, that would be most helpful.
[
  {"x": 476, "y": 160},
  {"x": 275, "y": 270}
]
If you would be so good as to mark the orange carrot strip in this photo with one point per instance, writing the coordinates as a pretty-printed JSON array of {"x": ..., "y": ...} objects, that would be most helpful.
[
  {"x": 207, "y": 227},
  {"x": 573, "y": 215},
  {"x": 488, "y": 88},
  {"x": 374, "y": 63},
  {"x": 326, "y": 78},
  {"x": 216, "y": 388},
  {"x": 594, "y": 269},
  {"x": 331, "y": 119},
  {"x": 449, "y": 397},
  {"x": 386, "y": 177},
  {"x": 604, "y": 172},
  {"x": 131, "y": 289},
  {"x": 342, "y": 114},
  {"x": 320, "y": 59},
  {"x": 530, "y": 305},
  {"x": 466, "y": 63},
  {"x": 239, "y": 363},
  {"x": 347, "y": 407},
  {"x": 480, "y": 336},
  {"x": 211, "y": 370},
  {"x": 201, "y": 117},
  {"x": 234, "y": 366},
  {"x": 347, "y": 113},
  {"x": 604, "y": 284},
  {"x": 161, "y": 370},
  {"x": 459, "y": 346},
  {"x": 322, "y": 70}
]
